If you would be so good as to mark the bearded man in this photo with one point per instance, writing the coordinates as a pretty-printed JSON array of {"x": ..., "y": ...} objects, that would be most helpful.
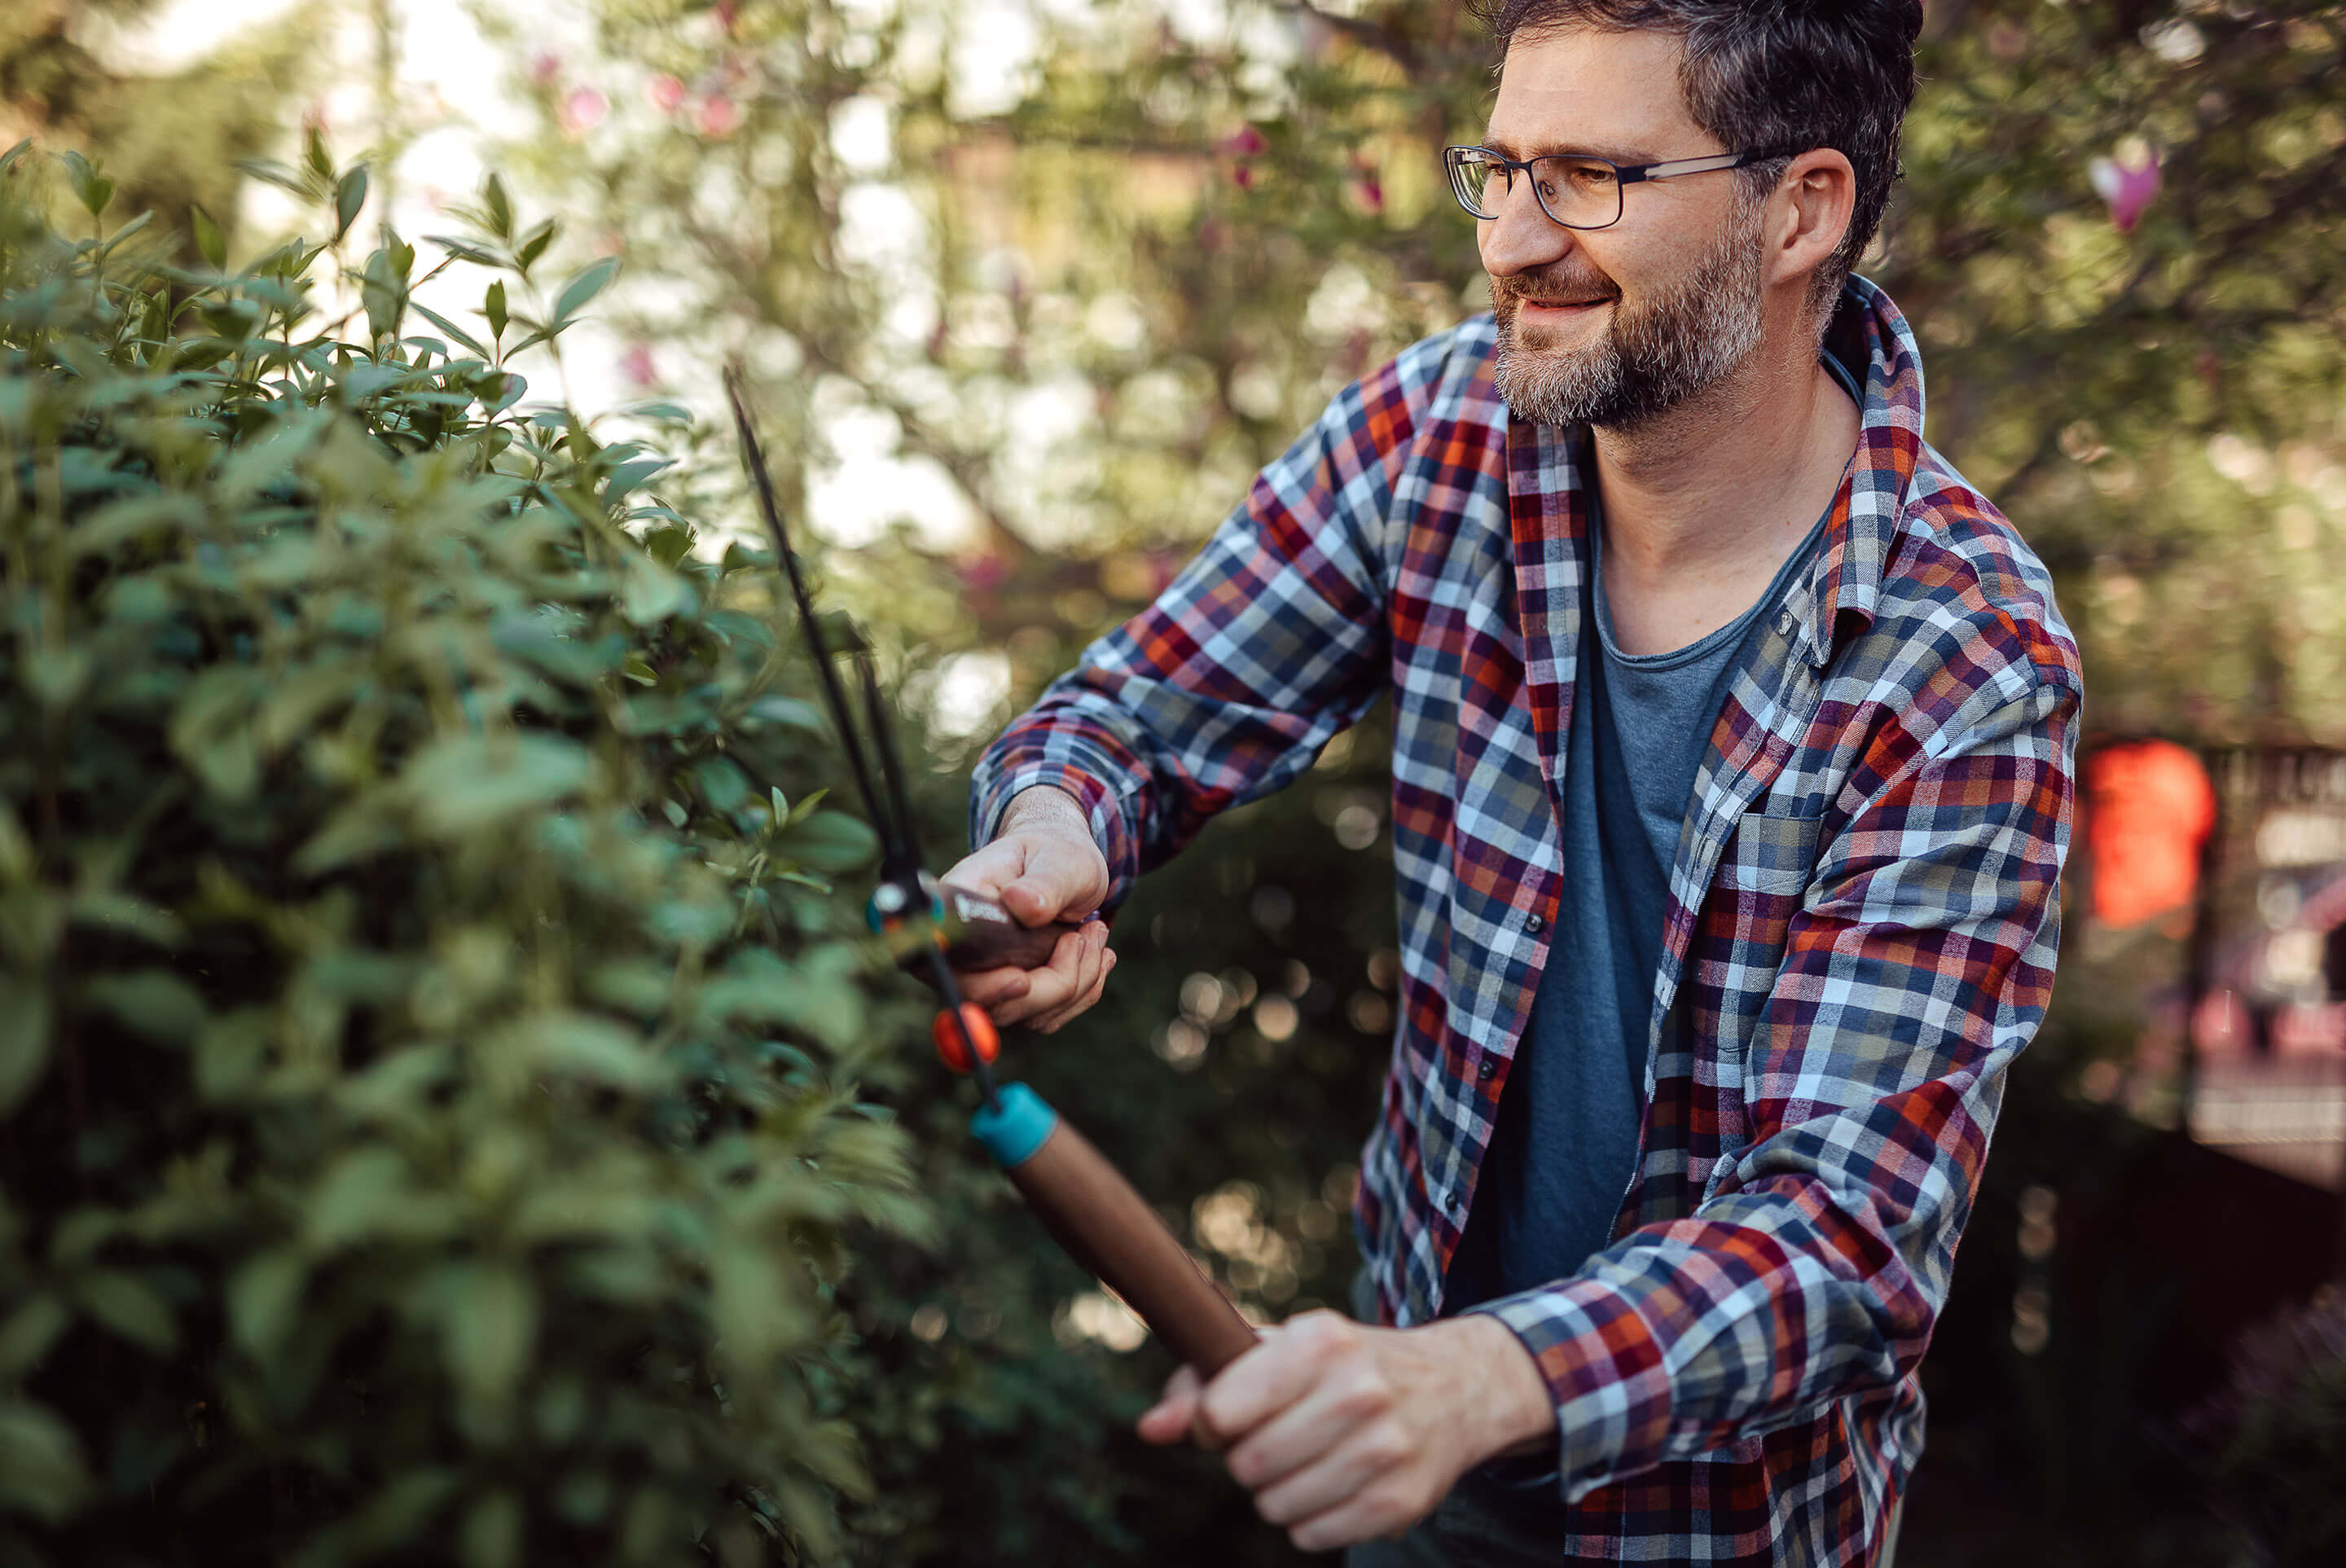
[{"x": 1732, "y": 754}]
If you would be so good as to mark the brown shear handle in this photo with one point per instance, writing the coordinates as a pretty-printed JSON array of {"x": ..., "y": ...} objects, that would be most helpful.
[{"x": 1110, "y": 1229}]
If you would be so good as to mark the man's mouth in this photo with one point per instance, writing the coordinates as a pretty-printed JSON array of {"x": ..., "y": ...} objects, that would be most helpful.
[{"x": 1563, "y": 307}]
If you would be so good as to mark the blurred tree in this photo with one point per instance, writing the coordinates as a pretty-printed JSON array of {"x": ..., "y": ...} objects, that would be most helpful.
[{"x": 171, "y": 137}]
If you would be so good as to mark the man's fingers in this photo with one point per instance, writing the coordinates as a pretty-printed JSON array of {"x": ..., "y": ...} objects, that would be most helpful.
[
  {"x": 1168, "y": 1420},
  {"x": 1053, "y": 989},
  {"x": 1286, "y": 1365},
  {"x": 990, "y": 988},
  {"x": 1090, "y": 962}
]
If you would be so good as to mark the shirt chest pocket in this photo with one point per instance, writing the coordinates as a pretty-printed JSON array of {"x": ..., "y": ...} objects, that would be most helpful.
[{"x": 1773, "y": 853}]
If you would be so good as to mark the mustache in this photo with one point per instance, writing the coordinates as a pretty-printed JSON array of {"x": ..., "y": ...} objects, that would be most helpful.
[{"x": 1551, "y": 287}]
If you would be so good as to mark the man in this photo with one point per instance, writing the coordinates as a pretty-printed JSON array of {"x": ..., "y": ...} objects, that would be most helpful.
[{"x": 1732, "y": 758}]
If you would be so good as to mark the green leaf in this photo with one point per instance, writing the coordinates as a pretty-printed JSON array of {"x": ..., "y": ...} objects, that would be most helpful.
[
  {"x": 113, "y": 910},
  {"x": 589, "y": 282},
  {"x": 350, "y": 195},
  {"x": 365, "y": 1195},
  {"x": 56, "y": 676},
  {"x": 464, "y": 250},
  {"x": 115, "y": 239},
  {"x": 760, "y": 1310},
  {"x": 628, "y": 477},
  {"x": 478, "y": 348},
  {"x": 129, "y": 1306},
  {"x": 721, "y": 783},
  {"x": 533, "y": 244},
  {"x": 652, "y": 592},
  {"x": 263, "y": 1296},
  {"x": 210, "y": 243},
  {"x": 788, "y": 711},
  {"x": 90, "y": 188},
  {"x": 494, "y": 308},
  {"x": 277, "y": 174},
  {"x": 470, "y": 782},
  {"x": 24, "y": 1038},
  {"x": 491, "y": 1535},
  {"x": 230, "y": 1052},
  {"x": 579, "y": 1046},
  {"x": 41, "y": 1470},
  {"x": 831, "y": 841},
  {"x": 29, "y": 1332},
  {"x": 489, "y": 1330},
  {"x": 157, "y": 1002},
  {"x": 313, "y": 149},
  {"x": 17, "y": 858},
  {"x": 500, "y": 208}
]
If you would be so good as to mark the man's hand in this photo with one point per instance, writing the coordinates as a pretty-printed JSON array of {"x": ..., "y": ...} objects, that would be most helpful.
[
  {"x": 1043, "y": 866},
  {"x": 1346, "y": 1433}
]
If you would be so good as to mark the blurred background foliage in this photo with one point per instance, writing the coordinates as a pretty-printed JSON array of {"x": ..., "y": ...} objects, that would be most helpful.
[{"x": 1028, "y": 291}]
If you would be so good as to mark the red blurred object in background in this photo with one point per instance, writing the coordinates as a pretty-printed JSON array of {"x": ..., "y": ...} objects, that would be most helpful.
[{"x": 2152, "y": 811}]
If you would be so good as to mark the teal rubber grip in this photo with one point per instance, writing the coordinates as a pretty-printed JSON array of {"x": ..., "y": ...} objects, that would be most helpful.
[{"x": 1015, "y": 1126}]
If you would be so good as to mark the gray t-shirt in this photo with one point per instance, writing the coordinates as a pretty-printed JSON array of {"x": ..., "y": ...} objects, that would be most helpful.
[{"x": 1565, "y": 1147}]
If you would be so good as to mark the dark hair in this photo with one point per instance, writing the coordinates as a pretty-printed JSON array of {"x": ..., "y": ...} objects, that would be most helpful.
[{"x": 1771, "y": 73}]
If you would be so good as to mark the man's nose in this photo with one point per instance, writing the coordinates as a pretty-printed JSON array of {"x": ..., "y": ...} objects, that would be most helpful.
[{"x": 1522, "y": 237}]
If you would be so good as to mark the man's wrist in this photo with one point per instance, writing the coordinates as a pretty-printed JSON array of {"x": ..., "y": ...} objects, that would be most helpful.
[
  {"x": 1508, "y": 1402},
  {"x": 1044, "y": 805}
]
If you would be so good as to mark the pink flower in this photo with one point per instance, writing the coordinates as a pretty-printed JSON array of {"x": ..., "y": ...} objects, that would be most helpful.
[
  {"x": 545, "y": 68},
  {"x": 719, "y": 117},
  {"x": 1367, "y": 188},
  {"x": 667, "y": 93},
  {"x": 728, "y": 12},
  {"x": 637, "y": 365},
  {"x": 1246, "y": 143},
  {"x": 2126, "y": 188},
  {"x": 1243, "y": 176},
  {"x": 582, "y": 110},
  {"x": 981, "y": 572}
]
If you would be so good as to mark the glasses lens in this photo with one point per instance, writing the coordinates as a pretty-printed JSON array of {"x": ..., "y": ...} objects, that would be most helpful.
[
  {"x": 1469, "y": 177},
  {"x": 1578, "y": 192}
]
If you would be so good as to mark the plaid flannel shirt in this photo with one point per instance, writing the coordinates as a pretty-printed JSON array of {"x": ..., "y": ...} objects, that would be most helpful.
[{"x": 1861, "y": 936}]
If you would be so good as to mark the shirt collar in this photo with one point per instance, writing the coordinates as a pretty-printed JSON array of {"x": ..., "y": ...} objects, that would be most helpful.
[{"x": 1871, "y": 339}]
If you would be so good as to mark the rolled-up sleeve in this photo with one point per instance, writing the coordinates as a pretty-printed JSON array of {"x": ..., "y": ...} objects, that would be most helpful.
[{"x": 1270, "y": 641}]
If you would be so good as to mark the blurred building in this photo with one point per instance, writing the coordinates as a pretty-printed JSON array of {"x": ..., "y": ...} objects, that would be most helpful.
[{"x": 2240, "y": 854}]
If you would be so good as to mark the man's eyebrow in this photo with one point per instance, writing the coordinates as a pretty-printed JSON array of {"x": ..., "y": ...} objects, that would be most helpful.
[{"x": 1624, "y": 155}]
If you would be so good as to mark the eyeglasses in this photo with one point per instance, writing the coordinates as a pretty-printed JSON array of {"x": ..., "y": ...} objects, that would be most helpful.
[{"x": 1575, "y": 189}]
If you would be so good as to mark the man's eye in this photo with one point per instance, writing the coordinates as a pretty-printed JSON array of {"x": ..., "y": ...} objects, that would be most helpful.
[{"x": 1592, "y": 175}]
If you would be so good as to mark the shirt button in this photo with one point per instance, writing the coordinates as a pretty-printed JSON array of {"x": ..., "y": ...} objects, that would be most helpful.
[
  {"x": 1784, "y": 622},
  {"x": 1534, "y": 924},
  {"x": 1489, "y": 1068}
]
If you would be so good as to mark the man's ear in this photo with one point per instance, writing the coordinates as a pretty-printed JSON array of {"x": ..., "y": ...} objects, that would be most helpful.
[{"x": 1812, "y": 205}]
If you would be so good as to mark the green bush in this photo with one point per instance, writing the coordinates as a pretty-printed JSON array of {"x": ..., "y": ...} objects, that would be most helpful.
[{"x": 429, "y": 1050}]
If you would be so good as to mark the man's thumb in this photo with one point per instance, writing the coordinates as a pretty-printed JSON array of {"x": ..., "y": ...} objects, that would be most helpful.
[{"x": 1056, "y": 883}]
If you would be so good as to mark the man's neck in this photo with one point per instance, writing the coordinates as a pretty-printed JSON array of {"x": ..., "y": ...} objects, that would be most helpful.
[{"x": 1703, "y": 506}]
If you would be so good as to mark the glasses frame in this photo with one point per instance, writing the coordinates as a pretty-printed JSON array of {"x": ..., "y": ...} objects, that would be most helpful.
[{"x": 1455, "y": 158}]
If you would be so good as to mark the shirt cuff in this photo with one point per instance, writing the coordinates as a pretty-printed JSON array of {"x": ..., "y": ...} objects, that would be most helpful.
[
  {"x": 1104, "y": 812},
  {"x": 1603, "y": 1370}
]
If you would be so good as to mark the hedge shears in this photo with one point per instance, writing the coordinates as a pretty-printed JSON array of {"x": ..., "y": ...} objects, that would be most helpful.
[{"x": 930, "y": 928}]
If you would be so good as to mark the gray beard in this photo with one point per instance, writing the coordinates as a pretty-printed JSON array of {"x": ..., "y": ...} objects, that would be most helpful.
[{"x": 1693, "y": 335}]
